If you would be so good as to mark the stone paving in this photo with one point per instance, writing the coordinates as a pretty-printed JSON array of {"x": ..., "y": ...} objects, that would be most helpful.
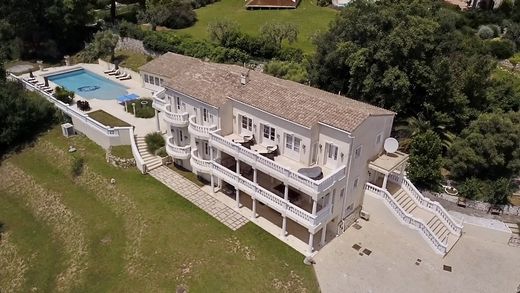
[{"x": 203, "y": 200}]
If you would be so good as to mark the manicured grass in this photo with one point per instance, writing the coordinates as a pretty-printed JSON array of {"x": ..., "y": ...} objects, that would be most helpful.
[
  {"x": 122, "y": 151},
  {"x": 176, "y": 244},
  {"x": 308, "y": 17},
  {"x": 143, "y": 108},
  {"x": 186, "y": 174},
  {"x": 131, "y": 60},
  {"x": 107, "y": 119}
]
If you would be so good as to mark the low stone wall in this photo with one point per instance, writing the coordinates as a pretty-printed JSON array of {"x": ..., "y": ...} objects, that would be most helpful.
[
  {"x": 119, "y": 162},
  {"x": 479, "y": 205},
  {"x": 134, "y": 45}
]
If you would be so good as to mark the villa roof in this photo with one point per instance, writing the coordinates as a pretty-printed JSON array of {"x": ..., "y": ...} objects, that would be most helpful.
[{"x": 215, "y": 83}]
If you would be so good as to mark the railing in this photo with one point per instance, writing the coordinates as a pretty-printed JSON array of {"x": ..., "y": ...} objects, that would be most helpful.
[
  {"x": 158, "y": 100},
  {"x": 270, "y": 166},
  {"x": 434, "y": 206},
  {"x": 272, "y": 200},
  {"x": 139, "y": 162},
  {"x": 179, "y": 152},
  {"x": 179, "y": 119},
  {"x": 198, "y": 163},
  {"x": 200, "y": 130},
  {"x": 70, "y": 111},
  {"x": 407, "y": 218}
]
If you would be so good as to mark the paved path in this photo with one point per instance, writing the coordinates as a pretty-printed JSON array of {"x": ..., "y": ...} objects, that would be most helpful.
[{"x": 203, "y": 200}]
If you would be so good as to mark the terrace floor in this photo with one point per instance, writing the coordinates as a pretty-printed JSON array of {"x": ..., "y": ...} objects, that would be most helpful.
[{"x": 142, "y": 126}]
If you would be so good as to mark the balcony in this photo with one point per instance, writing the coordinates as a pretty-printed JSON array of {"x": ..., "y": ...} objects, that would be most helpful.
[
  {"x": 200, "y": 131},
  {"x": 159, "y": 101},
  {"x": 198, "y": 164},
  {"x": 175, "y": 119},
  {"x": 272, "y": 200},
  {"x": 177, "y": 152},
  {"x": 280, "y": 172}
]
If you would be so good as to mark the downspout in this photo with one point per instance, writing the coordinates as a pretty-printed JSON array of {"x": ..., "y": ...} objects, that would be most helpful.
[{"x": 348, "y": 176}]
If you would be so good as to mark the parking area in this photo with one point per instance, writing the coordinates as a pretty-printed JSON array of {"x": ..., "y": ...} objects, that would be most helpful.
[{"x": 382, "y": 255}]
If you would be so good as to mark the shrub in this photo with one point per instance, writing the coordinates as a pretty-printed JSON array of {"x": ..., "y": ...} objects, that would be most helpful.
[
  {"x": 161, "y": 152},
  {"x": 64, "y": 95},
  {"x": 485, "y": 32},
  {"x": 291, "y": 54},
  {"x": 154, "y": 141},
  {"x": 130, "y": 30},
  {"x": 142, "y": 110},
  {"x": 287, "y": 70},
  {"x": 77, "y": 166},
  {"x": 500, "y": 48},
  {"x": 425, "y": 160},
  {"x": 83, "y": 105},
  {"x": 496, "y": 29}
]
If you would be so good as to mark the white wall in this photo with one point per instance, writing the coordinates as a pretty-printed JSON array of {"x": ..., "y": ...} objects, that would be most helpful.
[{"x": 99, "y": 137}]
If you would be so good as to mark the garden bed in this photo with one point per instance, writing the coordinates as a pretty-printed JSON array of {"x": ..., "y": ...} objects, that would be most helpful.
[{"x": 107, "y": 119}]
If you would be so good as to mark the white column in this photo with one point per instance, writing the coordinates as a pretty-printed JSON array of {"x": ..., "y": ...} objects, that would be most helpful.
[
  {"x": 238, "y": 166},
  {"x": 314, "y": 206},
  {"x": 237, "y": 196},
  {"x": 311, "y": 242},
  {"x": 157, "y": 123},
  {"x": 284, "y": 226},
  {"x": 211, "y": 175},
  {"x": 254, "y": 175},
  {"x": 385, "y": 181},
  {"x": 401, "y": 172},
  {"x": 254, "y": 209},
  {"x": 286, "y": 192},
  {"x": 323, "y": 234}
]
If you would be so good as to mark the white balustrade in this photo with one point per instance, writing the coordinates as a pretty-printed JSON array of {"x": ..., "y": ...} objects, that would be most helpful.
[
  {"x": 198, "y": 163},
  {"x": 177, "y": 152},
  {"x": 425, "y": 202},
  {"x": 272, "y": 200},
  {"x": 201, "y": 131},
  {"x": 177, "y": 119},
  {"x": 159, "y": 101},
  {"x": 272, "y": 167},
  {"x": 408, "y": 218}
]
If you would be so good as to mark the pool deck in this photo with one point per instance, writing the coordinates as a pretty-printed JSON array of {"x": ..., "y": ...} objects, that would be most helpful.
[{"x": 134, "y": 85}]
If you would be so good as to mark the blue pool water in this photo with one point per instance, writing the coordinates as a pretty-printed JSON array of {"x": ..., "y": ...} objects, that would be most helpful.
[{"x": 89, "y": 85}]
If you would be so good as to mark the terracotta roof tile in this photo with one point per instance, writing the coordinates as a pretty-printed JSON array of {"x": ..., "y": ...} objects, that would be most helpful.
[{"x": 214, "y": 83}]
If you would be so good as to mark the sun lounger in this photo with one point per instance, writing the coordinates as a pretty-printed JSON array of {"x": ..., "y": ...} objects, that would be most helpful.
[
  {"x": 31, "y": 80},
  {"x": 124, "y": 75},
  {"x": 40, "y": 84},
  {"x": 109, "y": 71},
  {"x": 117, "y": 72},
  {"x": 128, "y": 76}
]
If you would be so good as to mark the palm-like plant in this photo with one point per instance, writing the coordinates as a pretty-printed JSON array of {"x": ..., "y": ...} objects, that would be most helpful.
[{"x": 416, "y": 125}]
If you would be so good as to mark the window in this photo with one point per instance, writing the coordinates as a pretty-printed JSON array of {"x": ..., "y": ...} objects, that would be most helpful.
[
  {"x": 157, "y": 81},
  {"x": 161, "y": 80},
  {"x": 146, "y": 78},
  {"x": 205, "y": 114},
  {"x": 206, "y": 148},
  {"x": 378, "y": 138},
  {"x": 357, "y": 152},
  {"x": 247, "y": 123},
  {"x": 332, "y": 151},
  {"x": 178, "y": 102},
  {"x": 269, "y": 132},
  {"x": 292, "y": 142}
]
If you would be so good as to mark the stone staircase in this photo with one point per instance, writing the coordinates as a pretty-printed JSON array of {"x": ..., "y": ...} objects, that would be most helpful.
[
  {"x": 150, "y": 160},
  {"x": 432, "y": 220}
]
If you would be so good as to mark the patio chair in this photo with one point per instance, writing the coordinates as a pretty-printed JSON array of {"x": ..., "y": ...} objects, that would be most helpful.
[
  {"x": 31, "y": 80},
  {"x": 109, "y": 71},
  {"x": 117, "y": 72},
  {"x": 124, "y": 75},
  {"x": 128, "y": 76}
]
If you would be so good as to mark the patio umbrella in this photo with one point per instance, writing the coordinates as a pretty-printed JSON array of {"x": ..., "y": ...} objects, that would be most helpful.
[
  {"x": 46, "y": 81},
  {"x": 31, "y": 75}
]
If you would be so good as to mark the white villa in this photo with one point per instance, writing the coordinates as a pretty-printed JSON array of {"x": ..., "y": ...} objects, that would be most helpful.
[{"x": 306, "y": 155}]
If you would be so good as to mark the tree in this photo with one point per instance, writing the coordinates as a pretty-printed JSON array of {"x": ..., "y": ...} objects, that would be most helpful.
[
  {"x": 425, "y": 160},
  {"x": 416, "y": 125},
  {"x": 221, "y": 30},
  {"x": 276, "y": 33},
  {"x": 488, "y": 149},
  {"x": 173, "y": 14},
  {"x": 105, "y": 43},
  {"x": 408, "y": 56}
]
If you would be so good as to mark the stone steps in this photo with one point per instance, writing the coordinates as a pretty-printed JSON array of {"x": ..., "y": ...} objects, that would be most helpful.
[{"x": 150, "y": 160}]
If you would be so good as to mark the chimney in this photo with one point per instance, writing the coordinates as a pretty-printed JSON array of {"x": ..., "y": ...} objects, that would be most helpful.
[{"x": 244, "y": 78}]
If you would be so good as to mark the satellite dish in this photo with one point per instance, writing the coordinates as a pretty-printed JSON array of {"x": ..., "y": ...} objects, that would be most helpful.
[{"x": 391, "y": 145}]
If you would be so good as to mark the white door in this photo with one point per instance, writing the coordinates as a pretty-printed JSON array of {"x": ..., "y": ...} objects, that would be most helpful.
[
  {"x": 268, "y": 135},
  {"x": 331, "y": 155},
  {"x": 245, "y": 125},
  {"x": 292, "y": 146}
]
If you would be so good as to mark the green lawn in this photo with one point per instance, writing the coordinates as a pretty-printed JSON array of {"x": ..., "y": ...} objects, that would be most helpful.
[
  {"x": 308, "y": 17},
  {"x": 122, "y": 151},
  {"x": 140, "y": 235},
  {"x": 131, "y": 60},
  {"x": 107, "y": 119}
]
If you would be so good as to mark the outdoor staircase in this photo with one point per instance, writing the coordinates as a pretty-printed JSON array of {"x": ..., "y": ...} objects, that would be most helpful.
[
  {"x": 411, "y": 207},
  {"x": 150, "y": 160}
]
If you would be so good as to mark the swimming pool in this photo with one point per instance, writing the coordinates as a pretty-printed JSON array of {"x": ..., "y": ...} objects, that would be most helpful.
[{"x": 89, "y": 85}]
